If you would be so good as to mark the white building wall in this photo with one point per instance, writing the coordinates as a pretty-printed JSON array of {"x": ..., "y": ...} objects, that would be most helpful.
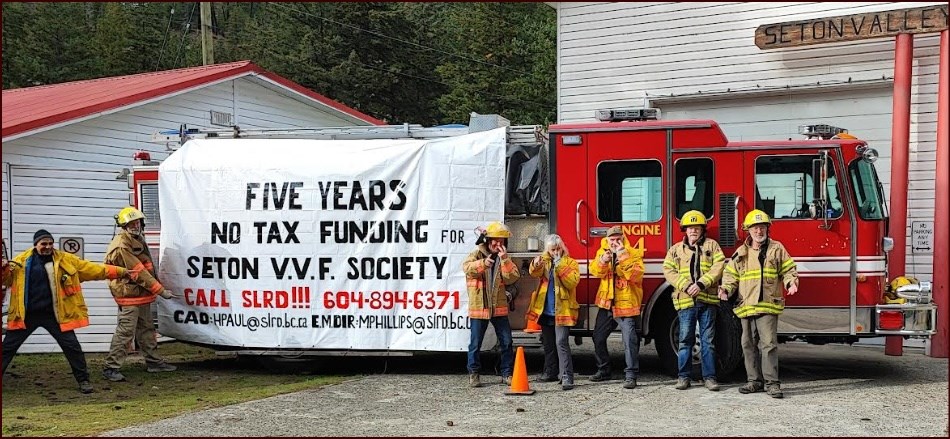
[
  {"x": 614, "y": 55},
  {"x": 64, "y": 179}
]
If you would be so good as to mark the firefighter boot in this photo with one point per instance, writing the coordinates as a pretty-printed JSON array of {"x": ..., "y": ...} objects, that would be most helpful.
[
  {"x": 160, "y": 367},
  {"x": 113, "y": 375},
  {"x": 774, "y": 390},
  {"x": 751, "y": 387},
  {"x": 567, "y": 383},
  {"x": 682, "y": 383},
  {"x": 85, "y": 387}
]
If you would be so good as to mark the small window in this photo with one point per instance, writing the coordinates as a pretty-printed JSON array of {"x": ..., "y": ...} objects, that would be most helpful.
[
  {"x": 694, "y": 186},
  {"x": 148, "y": 204},
  {"x": 867, "y": 190},
  {"x": 629, "y": 191},
  {"x": 784, "y": 188}
]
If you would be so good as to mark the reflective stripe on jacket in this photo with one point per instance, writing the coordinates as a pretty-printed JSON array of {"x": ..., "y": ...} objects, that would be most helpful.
[
  {"x": 130, "y": 251},
  {"x": 621, "y": 288},
  {"x": 67, "y": 272},
  {"x": 680, "y": 270},
  {"x": 755, "y": 275},
  {"x": 566, "y": 277},
  {"x": 486, "y": 297}
]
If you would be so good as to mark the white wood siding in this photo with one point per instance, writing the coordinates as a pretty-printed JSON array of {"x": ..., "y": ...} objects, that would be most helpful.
[
  {"x": 627, "y": 54},
  {"x": 64, "y": 179}
]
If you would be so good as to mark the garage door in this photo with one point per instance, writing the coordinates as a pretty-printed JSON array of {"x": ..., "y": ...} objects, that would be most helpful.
[{"x": 865, "y": 113}]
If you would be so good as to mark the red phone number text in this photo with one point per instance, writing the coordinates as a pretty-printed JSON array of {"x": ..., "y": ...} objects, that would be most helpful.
[{"x": 391, "y": 300}]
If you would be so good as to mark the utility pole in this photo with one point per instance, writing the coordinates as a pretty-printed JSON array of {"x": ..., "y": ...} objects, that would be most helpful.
[{"x": 207, "y": 42}]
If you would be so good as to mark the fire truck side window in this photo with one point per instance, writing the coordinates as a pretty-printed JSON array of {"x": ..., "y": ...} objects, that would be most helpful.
[
  {"x": 694, "y": 186},
  {"x": 629, "y": 191},
  {"x": 867, "y": 190},
  {"x": 784, "y": 188},
  {"x": 148, "y": 204}
]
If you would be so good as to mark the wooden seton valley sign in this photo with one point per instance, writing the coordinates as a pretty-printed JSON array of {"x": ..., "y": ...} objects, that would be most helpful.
[{"x": 923, "y": 19}]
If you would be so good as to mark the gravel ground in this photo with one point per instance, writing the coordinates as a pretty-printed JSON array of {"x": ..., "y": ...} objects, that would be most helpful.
[{"x": 831, "y": 390}]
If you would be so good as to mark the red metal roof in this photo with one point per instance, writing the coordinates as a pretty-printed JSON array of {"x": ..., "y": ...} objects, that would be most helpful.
[{"x": 29, "y": 108}]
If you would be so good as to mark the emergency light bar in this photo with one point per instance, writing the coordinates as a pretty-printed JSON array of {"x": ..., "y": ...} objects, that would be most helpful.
[
  {"x": 630, "y": 114},
  {"x": 820, "y": 131}
]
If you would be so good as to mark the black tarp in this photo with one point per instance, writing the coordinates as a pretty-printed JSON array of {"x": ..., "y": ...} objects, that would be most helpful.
[{"x": 527, "y": 189}]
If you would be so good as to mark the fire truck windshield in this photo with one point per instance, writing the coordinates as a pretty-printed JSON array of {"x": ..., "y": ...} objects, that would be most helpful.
[{"x": 867, "y": 190}]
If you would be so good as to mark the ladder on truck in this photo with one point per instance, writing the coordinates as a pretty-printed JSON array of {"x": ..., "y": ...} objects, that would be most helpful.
[{"x": 519, "y": 135}]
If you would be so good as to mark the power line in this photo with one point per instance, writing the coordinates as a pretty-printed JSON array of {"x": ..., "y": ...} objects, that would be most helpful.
[
  {"x": 435, "y": 81},
  {"x": 184, "y": 35},
  {"x": 165, "y": 39},
  {"x": 475, "y": 60},
  {"x": 507, "y": 98}
]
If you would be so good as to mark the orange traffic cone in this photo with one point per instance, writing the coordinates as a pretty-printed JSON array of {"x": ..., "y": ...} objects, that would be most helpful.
[
  {"x": 519, "y": 380},
  {"x": 531, "y": 326}
]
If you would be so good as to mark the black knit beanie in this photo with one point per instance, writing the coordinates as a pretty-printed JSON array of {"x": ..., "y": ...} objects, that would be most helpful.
[{"x": 40, "y": 234}]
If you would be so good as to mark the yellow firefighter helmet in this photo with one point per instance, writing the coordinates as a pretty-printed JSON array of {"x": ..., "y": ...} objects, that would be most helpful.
[
  {"x": 497, "y": 230},
  {"x": 127, "y": 215},
  {"x": 692, "y": 218},
  {"x": 890, "y": 290},
  {"x": 900, "y": 281},
  {"x": 754, "y": 217}
]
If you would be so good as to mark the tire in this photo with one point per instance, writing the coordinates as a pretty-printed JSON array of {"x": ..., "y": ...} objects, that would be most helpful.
[
  {"x": 728, "y": 341},
  {"x": 665, "y": 330}
]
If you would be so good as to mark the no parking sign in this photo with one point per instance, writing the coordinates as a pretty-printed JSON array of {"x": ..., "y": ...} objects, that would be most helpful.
[{"x": 72, "y": 245}]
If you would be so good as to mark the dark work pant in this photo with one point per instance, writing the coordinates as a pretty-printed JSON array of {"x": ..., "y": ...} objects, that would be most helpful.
[
  {"x": 67, "y": 342},
  {"x": 603, "y": 326}
]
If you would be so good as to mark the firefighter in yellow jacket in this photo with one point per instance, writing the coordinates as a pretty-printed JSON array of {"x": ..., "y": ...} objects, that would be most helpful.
[
  {"x": 46, "y": 293},
  {"x": 620, "y": 269},
  {"x": 488, "y": 269},
  {"x": 554, "y": 307},
  {"x": 694, "y": 267},
  {"x": 759, "y": 270},
  {"x": 134, "y": 296}
]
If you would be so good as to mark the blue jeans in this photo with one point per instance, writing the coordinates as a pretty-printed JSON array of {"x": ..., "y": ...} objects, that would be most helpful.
[
  {"x": 706, "y": 315},
  {"x": 503, "y": 332}
]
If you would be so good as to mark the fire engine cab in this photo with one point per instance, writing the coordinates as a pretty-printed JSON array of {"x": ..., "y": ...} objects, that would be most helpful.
[
  {"x": 639, "y": 172},
  {"x": 822, "y": 193}
]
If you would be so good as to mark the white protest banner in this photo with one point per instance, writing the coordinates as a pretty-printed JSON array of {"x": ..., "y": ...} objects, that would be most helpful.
[{"x": 325, "y": 244}]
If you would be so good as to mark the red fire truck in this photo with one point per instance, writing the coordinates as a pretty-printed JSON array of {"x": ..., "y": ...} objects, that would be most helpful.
[{"x": 634, "y": 170}]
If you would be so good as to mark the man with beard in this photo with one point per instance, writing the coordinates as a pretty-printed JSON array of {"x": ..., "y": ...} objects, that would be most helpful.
[
  {"x": 694, "y": 267},
  {"x": 134, "y": 296},
  {"x": 46, "y": 293},
  {"x": 754, "y": 272}
]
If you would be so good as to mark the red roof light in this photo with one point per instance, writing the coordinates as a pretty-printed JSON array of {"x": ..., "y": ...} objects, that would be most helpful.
[{"x": 142, "y": 155}]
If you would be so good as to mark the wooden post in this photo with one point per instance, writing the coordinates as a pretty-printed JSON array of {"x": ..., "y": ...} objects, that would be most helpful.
[{"x": 207, "y": 42}]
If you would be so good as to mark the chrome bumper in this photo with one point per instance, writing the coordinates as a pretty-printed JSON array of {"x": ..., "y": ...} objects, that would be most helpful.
[{"x": 920, "y": 320}]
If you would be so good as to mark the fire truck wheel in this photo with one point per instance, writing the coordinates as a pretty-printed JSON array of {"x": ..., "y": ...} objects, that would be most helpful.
[
  {"x": 728, "y": 341},
  {"x": 665, "y": 326}
]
